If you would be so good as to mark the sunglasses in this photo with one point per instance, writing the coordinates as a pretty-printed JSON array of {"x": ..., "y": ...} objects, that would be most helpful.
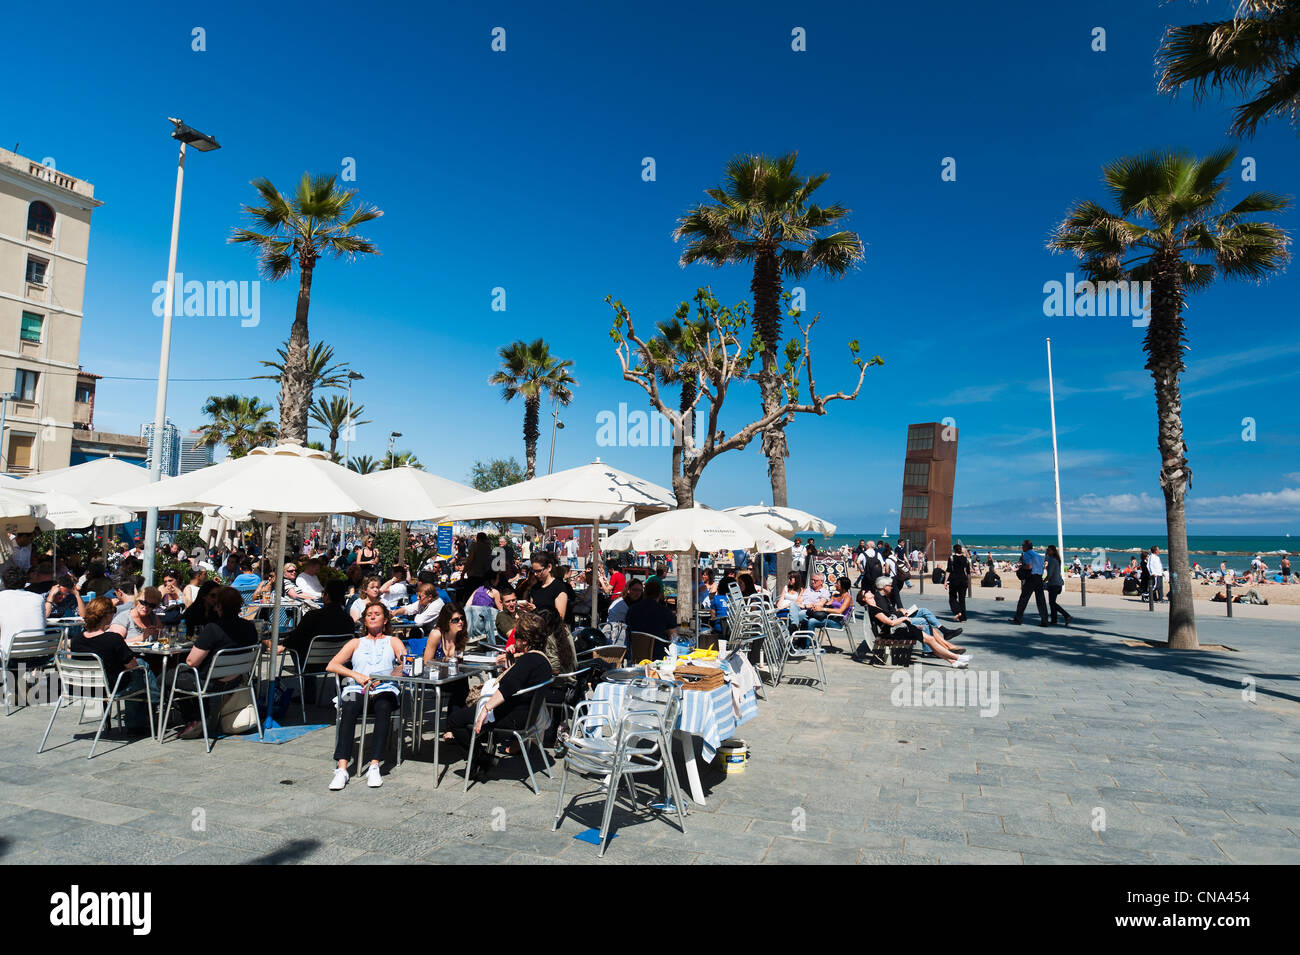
[
  {"x": 457, "y": 619},
  {"x": 149, "y": 605}
]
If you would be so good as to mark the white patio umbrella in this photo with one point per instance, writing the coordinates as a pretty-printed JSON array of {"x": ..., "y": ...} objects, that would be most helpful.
[
  {"x": 21, "y": 511},
  {"x": 786, "y": 521},
  {"x": 414, "y": 495},
  {"x": 72, "y": 488},
  {"x": 592, "y": 494},
  {"x": 276, "y": 483}
]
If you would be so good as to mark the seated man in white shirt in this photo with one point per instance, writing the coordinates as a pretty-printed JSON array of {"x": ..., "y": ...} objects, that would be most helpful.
[
  {"x": 19, "y": 609},
  {"x": 307, "y": 586},
  {"x": 394, "y": 592},
  {"x": 426, "y": 608},
  {"x": 813, "y": 594}
]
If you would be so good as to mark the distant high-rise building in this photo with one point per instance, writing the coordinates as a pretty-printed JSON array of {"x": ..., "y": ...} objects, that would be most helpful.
[
  {"x": 929, "y": 475},
  {"x": 171, "y": 448},
  {"x": 194, "y": 455}
]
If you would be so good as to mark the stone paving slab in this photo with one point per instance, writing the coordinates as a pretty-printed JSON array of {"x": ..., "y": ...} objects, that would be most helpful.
[{"x": 1187, "y": 767}]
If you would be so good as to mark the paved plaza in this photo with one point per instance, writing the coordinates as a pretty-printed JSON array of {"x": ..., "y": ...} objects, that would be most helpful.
[{"x": 1092, "y": 750}]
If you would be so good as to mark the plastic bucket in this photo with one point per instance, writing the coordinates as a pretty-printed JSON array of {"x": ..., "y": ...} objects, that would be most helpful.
[{"x": 731, "y": 756}]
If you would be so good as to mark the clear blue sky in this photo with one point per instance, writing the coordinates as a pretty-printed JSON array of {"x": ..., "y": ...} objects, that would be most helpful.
[{"x": 522, "y": 170}]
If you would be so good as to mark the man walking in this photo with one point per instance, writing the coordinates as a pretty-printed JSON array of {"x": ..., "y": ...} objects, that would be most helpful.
[
  {"x": 1030, "y": 572},
  {"x": 1157, "y": 571}
]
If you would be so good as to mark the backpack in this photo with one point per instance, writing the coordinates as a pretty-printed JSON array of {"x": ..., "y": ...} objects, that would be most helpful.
[{"x": 871, "y": 570}]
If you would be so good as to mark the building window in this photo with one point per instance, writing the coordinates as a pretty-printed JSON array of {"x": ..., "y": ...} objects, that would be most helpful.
[
  {"x": 20, "y": 451},
  {"x": 916, "y": 474},
  {"x": 920, "y": 439},
  {"x": 40, "y": 218},
  {"x": 916, "y": 508},
  {"x": 25, "y": 384},
  {"x": 84, "y": 394},
  {"x": 31, "y": 330},
  {"x": 36, "y": 270}
]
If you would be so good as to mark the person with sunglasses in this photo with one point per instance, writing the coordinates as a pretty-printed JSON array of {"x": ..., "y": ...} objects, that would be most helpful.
[
  {"x": 139, "y": 622},
  {"x": 447, "y": 641}
]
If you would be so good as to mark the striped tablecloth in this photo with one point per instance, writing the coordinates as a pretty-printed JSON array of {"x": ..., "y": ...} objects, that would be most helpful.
[{"x": 710, "y": 715}]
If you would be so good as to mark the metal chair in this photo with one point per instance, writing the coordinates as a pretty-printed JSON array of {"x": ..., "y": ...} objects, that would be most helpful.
[
  {"x": 34, "y": 646},
  {"x": 615, "y": 747},
  {"x": 643, "y": 646},
  {"x": 804, "y": 645},
  {"x": 531, "y": 731},
  {"x": 81, "y": 678},
  {"x": 565, "y": 707},
  {"x": 231, "y": 662},
  {"x": 320, "y": 651},
  {"x": 845, "y": 624}
]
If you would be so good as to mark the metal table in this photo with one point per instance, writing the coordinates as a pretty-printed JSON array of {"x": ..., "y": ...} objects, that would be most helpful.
[
  {"x": 421, "y": 683},
  {"x": 166, "y": 654}
]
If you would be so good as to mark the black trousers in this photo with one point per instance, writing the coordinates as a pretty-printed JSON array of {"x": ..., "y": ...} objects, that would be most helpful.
[
  {"x": 1033, "y": 584},
  {"x": 957, "y": 596},
  {"x": 382, "y": 706},
  {"x": 461, "y": 722},
  {"x": 1052, "y": 594}
]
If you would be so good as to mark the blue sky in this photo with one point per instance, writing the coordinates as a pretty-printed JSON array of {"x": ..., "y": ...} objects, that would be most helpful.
[{"x": 522, "y": 170}]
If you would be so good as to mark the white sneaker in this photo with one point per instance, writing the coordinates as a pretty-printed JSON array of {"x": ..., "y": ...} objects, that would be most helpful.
[
  {"x": 340, "y": 780},
  {"x": 965, "y": 658},
  {"x": 959, "y": 664},
  {"x": 373, "y": 779}
]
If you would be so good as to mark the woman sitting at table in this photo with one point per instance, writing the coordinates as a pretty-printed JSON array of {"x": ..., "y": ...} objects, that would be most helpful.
[
  {"x": 117, "y": 658},
  {"x": 793, "y": 592},
  {"x": 529, "y": 668},
  {"x": 203, "y": 609},
  {"x": 138, "y": 622},
  {"x": 363, "y": 663},
  {"x": 447, "y": 640},
  {"x": 265, "y": 591},
  {"x": 369, "y": 594}
]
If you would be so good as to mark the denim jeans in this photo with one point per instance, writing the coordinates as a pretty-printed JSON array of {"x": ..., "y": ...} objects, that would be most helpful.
[
  {"x": 930, "y": 620},
  {"x": 798, "y": 617}
]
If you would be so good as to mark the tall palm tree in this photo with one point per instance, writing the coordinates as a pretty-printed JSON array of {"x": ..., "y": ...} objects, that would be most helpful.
[
  {"x": 319, "y": 219},
  {"x": 323, "y": 371},
  {"x": 1256, "y": 53},
  {"x": 529, "y": 369},
  {"x": 1171, "y": 228},
  {"x": 400, "y": 459},
  {"x": 764, "y": 214},
  {"x": 364, "y": 464},
  {"x": 239, "y": 422},
  {"x": 333, "y": 415}
]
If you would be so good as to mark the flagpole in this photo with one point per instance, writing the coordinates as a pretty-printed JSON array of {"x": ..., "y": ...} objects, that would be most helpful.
[{"x": 1056, "y": 463}]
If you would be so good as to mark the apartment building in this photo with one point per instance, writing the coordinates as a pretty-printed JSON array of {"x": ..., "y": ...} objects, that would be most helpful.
[{"x": 44, "y": 239}]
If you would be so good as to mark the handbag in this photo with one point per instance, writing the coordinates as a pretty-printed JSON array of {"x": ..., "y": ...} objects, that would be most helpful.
[{"x": 237, "y": 716}]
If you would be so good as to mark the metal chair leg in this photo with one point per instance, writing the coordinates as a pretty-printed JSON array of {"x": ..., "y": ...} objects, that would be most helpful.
[
  {"x": 203, "y": 718},
  {"x": 108, "y": 709},
  {"x": 469, "y": 759},
  {"x": 559, "y": 809},
  {"x": 57, "y": 706}
]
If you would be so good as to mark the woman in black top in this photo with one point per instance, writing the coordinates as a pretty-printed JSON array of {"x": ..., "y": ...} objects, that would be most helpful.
[
  {"x": 957, "y": 582},
  {"x": 509, "y": 710},
  {"x": 203, "y": 610},
  {"x": 549, "y": 593}
]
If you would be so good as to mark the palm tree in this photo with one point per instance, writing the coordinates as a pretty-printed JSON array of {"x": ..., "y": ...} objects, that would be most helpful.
[
  {"x": 1171, "y": 229},
  {"x": 319, "y": 219},
  {"x": 400, "y": 459},
  {"x": 333, "y": 415},
  {"x": 528, "y": 369},
  {"x": 323, "y": 371},
  {"x": 763, "y": 214},
  {"x": 364, "y": 464},
  {"x": 1256, "y": 53},
  {"x": 238, "y": 422}
]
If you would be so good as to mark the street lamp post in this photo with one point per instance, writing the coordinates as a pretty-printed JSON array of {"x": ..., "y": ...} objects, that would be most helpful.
[
  {"x": 203, "y": 143},
  {"x": 556, "y": 425},
  {"x": 392, "y": 438},
  {"x": 348, "y": 428}
]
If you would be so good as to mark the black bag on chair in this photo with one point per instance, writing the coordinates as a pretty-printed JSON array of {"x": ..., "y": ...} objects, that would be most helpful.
[{"x": 938, "y": 575}]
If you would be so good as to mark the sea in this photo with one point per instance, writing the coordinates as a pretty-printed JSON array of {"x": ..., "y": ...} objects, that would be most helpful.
[{"x": 1209, "y": 550}]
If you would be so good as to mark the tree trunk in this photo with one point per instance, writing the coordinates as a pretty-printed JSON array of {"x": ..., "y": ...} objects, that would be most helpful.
[
  {"x": 684, "y": 492},
  {"x": 334, "y": 443},
  {"x": 532, "y": 409},
  {"x": 766, "y": 286},
  {"x": 1164, "y": 348},
  {"x": 295, "y": 384}
]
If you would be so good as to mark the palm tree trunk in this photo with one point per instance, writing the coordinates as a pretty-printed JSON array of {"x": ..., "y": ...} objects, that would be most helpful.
[
  {"x": 334, "y": 442},
  {"x": 1164, "y": 347},
  {"x": 295, "y": 383},
  {"x": 766, "y": 287},
  {"x": 684, "y": 492},
  {"x": 532, "y": 410}
]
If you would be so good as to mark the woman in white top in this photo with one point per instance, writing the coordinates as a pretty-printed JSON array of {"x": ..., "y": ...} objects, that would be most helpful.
[
  {"x": 363, "y": 663},
  {"x": 793, "y": 591}
]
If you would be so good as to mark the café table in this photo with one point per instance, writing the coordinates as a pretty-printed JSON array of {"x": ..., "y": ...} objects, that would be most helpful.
[
  {"x": 708, "y": 716},
  {"x": 67, "y": 625},
  {"x": 436, "y": 677},
  {"x": 165, "y": 653}
]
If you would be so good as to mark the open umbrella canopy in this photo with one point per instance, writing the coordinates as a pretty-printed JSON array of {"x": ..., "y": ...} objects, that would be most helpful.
[
  {"x": 581, "y": 495},
  {"x": 287, "y": 479},
  {"x": 696, "y": 529},
  {"x": 413, "y": 495},
  {"x": 21, "y": 511},
  {"x": 69, "y": 491},
  {"x": 786, "y": 521}
]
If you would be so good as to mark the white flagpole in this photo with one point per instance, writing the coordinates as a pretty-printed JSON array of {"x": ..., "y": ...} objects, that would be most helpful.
[{"x": 1056, "y": 463}]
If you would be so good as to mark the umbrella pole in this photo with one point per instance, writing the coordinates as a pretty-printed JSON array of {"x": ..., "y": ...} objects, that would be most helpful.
[
  {"x": 401, "y": 547},
  {"x": 270, "y": 722},
  {"x": 596, "y": 556}
]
